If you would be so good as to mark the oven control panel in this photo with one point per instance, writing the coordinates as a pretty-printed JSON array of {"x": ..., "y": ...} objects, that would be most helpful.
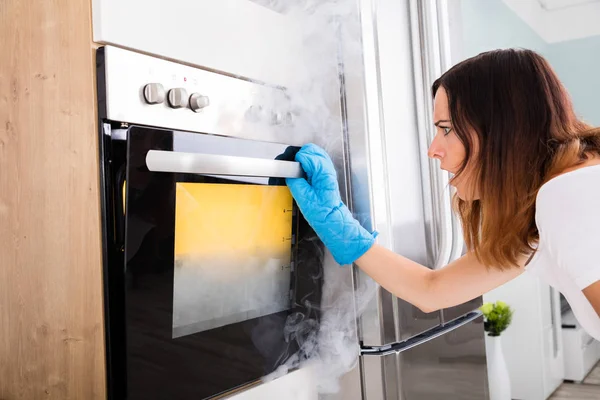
[
  {"x": 147, "y": 90},
  {"x": 154, "y": 93}
]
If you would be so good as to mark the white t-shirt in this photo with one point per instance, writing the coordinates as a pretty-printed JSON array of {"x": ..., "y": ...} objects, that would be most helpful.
[{"x": 568, "y": 255}]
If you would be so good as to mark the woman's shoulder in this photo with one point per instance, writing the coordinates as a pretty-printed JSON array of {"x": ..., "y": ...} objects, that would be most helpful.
[
  {"x": 582, "y": 177},
  {"x": 568, "y": 220},
  {"x": 574, "y": 193}
]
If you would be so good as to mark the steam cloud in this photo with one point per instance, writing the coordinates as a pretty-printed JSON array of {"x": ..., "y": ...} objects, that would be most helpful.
[{"x": 329, "y": 345}]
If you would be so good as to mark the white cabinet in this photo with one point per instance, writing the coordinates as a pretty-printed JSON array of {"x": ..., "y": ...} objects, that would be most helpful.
[
  {"x": 235, "y": 36},
  {"x": 582, "y": 351},
  {"x": 297, "y": 385},
  {"x": 532, "y": 345}
]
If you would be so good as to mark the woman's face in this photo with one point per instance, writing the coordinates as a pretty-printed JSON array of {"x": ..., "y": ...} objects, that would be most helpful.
[{"x": 447, "y": 147}]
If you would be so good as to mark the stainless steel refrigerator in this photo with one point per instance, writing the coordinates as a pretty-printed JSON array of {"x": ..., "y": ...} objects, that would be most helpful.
[{"x": 395, "y": 189}]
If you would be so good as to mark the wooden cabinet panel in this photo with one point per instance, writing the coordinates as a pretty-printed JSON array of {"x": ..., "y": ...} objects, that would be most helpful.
[{"x": 51, "y": 332}]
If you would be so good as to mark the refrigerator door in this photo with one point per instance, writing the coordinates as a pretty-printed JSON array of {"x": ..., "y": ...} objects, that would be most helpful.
[
  {"x": 396, "y": 189},
  {"x": 388, "y": 191},
  {"x": 431, "y": 55},
  {"x": 445, "y": 363}
]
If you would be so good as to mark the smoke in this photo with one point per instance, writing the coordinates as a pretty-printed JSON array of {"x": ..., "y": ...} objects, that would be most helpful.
[
  {"x": 326, "y": 29},
  {"x": 328, "y": 343},
  {"x": 256, "y": 286}
]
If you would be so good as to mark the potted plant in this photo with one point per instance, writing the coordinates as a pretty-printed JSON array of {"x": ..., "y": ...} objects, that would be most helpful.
[{"x": 497, "y": 317}]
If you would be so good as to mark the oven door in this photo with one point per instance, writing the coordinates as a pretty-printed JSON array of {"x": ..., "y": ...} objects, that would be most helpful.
[{"x": 221, "y": 276}]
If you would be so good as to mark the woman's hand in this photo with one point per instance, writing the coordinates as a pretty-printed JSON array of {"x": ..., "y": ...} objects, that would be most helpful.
[{"x": 318, "y": 197}]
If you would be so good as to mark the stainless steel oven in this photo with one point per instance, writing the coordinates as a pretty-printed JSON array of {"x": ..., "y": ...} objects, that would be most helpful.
[
  {"x": 192, "y": 162},
  {"x": 208, "y": 263}
]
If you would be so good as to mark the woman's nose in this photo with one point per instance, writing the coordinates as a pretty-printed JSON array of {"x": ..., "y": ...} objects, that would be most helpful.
[{"x": 435, "y": 150}]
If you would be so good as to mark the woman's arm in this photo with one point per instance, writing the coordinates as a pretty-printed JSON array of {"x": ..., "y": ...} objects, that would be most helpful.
[
  {"x": 592, "y": 293},
  {"x": 457, "y": 283},
  {"x": 319, "y": 200}
]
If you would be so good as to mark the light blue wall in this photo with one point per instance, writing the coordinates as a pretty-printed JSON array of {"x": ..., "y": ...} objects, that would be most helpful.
[
  {"x": 577, "y": 63},
  {"x": 490, "y": 24}
]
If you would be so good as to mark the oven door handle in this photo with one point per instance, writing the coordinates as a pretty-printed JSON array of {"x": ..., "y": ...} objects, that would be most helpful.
[{"x": 215, "y": 164}]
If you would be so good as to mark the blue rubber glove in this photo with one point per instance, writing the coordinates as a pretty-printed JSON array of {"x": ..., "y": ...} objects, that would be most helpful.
[{"x": 318, "y": 197}]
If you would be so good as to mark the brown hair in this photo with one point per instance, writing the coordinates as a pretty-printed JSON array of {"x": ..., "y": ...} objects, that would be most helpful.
[{"x": 527, "y": 133}]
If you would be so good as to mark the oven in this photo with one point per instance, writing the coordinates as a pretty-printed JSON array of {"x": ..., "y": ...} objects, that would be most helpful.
[
  {"x": 193, "y": 162},
  {"x": 212, "y": 277}
]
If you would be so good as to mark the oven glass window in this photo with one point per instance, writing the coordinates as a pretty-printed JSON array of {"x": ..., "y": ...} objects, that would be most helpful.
[
  {"x": 214, "y": 271},
  {"x": 233, "y": 254}
]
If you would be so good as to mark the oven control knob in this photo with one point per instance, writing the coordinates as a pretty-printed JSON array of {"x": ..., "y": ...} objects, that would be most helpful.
[
  {"x": 198, "y": 102},
  {"x": 276, "y": 118},
  {"x": 254, "y": 113},
  {"x": 288, "y": 119},
  {"x": 178, "y": 98},
  {"x": 154, "y": 93}
]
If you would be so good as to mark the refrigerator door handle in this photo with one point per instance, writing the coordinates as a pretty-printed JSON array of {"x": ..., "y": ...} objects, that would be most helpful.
[
  {"x": 426, "y": 336},
  {"x": 214, "y": 164},
  {"x": 433, "y": 60},
  {"x": 444, "y": 36}
]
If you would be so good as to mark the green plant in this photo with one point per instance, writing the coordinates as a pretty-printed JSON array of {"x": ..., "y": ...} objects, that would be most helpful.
[{"x": 497, "y": 317}]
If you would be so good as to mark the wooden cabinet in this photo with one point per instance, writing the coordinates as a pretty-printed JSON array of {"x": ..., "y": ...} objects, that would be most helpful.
[{"x": 51, "y": 330}]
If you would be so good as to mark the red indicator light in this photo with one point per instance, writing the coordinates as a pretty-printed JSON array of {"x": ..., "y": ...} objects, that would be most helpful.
[{"x": 184, "y": 79}]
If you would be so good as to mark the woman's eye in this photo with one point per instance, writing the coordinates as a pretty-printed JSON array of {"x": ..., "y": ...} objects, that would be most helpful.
[{"x": 447, "y": 130}]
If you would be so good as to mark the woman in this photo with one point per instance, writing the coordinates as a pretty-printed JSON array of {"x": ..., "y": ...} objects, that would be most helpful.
[{"x": 527, "y": 179}]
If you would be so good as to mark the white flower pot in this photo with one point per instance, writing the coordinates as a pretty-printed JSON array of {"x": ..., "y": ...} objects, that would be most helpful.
[{"x": 498, "y": 379}]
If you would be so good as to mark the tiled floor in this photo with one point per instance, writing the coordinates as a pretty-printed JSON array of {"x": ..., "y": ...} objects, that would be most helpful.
[{"x": 589, "y": 389}]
